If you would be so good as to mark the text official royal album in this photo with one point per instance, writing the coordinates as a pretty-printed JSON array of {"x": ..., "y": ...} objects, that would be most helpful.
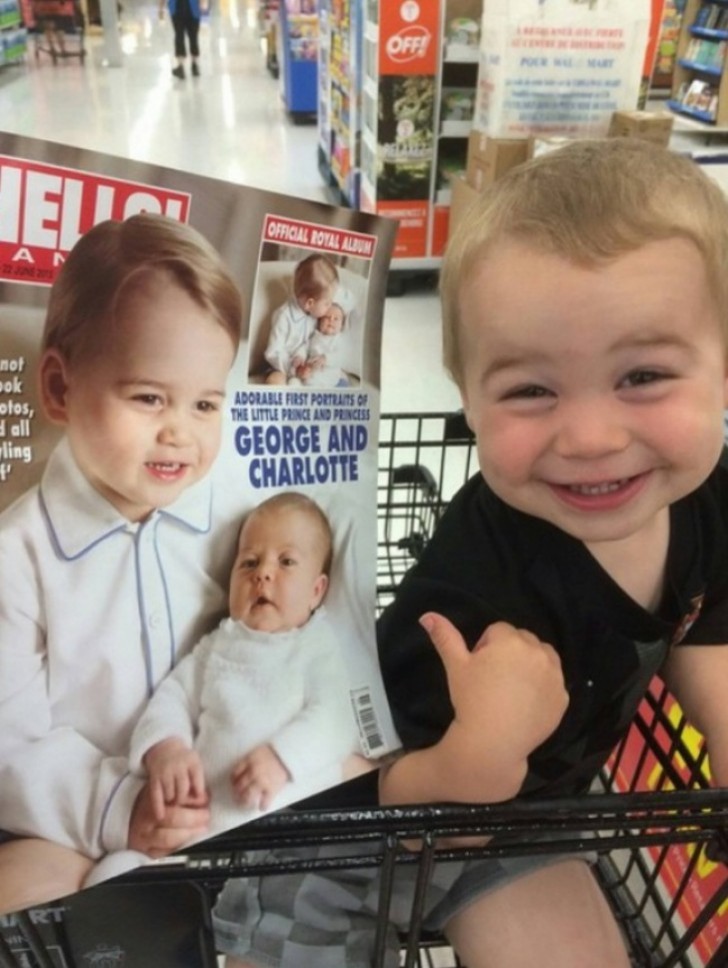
[{"x": 124, "y": 484}]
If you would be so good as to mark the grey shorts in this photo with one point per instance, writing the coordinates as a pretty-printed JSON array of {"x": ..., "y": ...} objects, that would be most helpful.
[{"x": 327, "y": 919}]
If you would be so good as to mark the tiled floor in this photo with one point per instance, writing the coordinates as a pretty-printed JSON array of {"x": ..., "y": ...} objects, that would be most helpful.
[{"x": 229, "y": 123}]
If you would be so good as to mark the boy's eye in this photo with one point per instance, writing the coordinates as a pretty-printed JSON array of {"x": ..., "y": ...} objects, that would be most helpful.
[
  {"x": 530, "y": 391},
  {"x": 288, "y": 561},
  {"x": 643, "y": 377},
  {"x": 148, "y": 399},
  {"x": 207, "y": 406}
]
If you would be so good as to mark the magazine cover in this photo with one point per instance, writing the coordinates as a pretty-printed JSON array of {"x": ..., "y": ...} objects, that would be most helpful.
[{"x": 189, "y": 400}]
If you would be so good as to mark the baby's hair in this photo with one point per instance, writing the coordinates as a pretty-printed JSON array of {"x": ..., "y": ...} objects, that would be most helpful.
[
  {"x": 590, "y": 202},
  {"x": 295, "y": 501},
  {"x": 114, "y": 258},
  {"x": 314, "y": 276}
]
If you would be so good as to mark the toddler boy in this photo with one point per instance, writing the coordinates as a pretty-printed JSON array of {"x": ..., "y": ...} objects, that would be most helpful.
[
  {"x": 111, "y": 568},
  {"x": 585, "y": 321}
]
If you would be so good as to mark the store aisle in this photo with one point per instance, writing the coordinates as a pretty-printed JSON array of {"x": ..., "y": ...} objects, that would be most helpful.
[{"x": 229, "y": 123}]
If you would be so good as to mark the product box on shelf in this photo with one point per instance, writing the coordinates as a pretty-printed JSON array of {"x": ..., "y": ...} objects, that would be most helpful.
[
  {"x": 490, "y": 158},
  {"x": 538, "y": 146},
  {"x": 647, "y": 125}
]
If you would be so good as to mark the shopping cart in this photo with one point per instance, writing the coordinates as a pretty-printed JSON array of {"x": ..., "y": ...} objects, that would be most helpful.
[
  {"x": 59, "y": 29},
  {"x": 658, "y": 831}
]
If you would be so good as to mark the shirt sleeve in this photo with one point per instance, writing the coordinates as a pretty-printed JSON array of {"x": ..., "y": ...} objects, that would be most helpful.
[
  {"x": 174, "y": 709},
  {"x": 276, "y": 352},
  {"x": 54, "y": 782},
  {"x": 711, "y": 625}
]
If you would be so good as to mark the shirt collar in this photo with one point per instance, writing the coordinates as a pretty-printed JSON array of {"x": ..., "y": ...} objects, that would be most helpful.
[{"x": 79, "y": 517}]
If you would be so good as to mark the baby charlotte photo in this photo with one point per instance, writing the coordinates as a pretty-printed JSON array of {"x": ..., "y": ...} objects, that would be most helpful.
[
  {"x": 168, "y": 665},
  {"x": 306, "y": 326}
]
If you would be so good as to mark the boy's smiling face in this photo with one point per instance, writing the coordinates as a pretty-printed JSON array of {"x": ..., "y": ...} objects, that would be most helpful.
[
  {"x": 596, "y": 393},
  {"x": 143, "y": 415}
]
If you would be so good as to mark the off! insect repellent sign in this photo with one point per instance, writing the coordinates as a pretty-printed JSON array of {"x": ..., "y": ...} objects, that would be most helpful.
[
  {"x": 408, "y": 57},
  {"x": 408, "y": 37},
  {"x": 45, "y": 209}
]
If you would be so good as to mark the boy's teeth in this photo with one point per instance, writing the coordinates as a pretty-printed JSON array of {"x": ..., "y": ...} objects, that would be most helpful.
[{"x": 604, "y": 488}]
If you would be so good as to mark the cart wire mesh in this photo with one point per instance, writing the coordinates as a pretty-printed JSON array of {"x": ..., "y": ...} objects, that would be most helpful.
[{"x": 658, "y": 831}]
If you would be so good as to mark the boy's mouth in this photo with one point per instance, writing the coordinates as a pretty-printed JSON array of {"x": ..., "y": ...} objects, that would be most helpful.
[
  {"x": 166, "y": 470},
  {"x": 604, "y": 488},
  {"x": 600, "y": 495}
]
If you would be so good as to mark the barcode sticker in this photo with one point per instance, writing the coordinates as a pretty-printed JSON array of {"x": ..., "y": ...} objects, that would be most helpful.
[{"x": 366, "y": 718}]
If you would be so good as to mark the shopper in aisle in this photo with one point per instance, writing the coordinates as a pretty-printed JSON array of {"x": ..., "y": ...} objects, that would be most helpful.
[
  {"x": 185, "y": 16},
  {"x": 116, "y": 563},
  {"x": 589, "y": 554}
]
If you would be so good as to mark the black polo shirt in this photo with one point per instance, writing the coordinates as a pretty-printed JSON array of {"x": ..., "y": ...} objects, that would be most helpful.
[{"x": 489, "y": 562}]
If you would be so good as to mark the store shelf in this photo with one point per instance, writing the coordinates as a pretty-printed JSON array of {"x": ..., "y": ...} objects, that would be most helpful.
[
  {"x": 13, "y": 35},
  {"x": 298, "y": 59},
  {"x": 340, "y": 79},
  {"x": 700, "y": 81},
  {"x": 690, "y": 112},
  {"x": 399, "y": 93}
]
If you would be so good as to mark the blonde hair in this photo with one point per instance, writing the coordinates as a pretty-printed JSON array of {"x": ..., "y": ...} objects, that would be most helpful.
[
  {"x": 314, "y": 276},
  {"x": 589, "y": 202},
  {"x": 114, "y": 258},
  {"x": 302, "y": 504}
]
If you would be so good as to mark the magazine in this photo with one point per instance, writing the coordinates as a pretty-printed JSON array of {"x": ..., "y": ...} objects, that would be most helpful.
[{"x": 153, "y": 469}]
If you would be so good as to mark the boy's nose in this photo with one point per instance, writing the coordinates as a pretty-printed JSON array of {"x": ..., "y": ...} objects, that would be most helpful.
[
  {"x": 590, "y": 430},
  {"x": 174, "y": 432}
]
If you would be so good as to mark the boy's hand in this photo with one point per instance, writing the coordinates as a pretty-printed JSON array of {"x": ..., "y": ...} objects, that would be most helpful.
[
  {"x": 509, "y": 688},
  {"x": 258, "y": 777},
  {"x": 175, "y": 776},
  {"x": 181, "y": 824}
]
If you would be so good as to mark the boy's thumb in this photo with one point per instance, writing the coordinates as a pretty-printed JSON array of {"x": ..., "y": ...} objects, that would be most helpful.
[{"x": 445, "y": 637}]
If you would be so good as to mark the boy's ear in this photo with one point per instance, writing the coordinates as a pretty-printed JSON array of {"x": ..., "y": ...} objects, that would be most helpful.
[
  {"x": 466, "y": 410},
  {"x": 319, "y": 590},
  {"x": 53, "y": 379}
]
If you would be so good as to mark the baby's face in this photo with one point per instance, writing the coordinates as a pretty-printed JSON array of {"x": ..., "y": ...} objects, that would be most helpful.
[
  {"x": 331, "y": 322},
  {"x": 596, "y": 393},
  {"x": 276, "y": 581},
  {"x": 143, "y": 416}
]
